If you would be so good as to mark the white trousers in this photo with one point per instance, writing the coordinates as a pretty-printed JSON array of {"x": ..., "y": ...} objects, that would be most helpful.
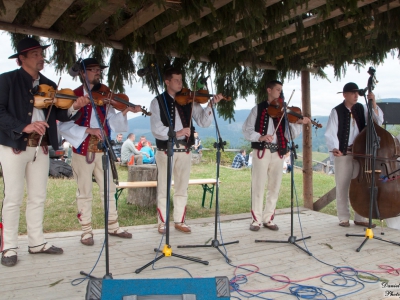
[
  {"x": 267, "y": 169},
  {"x": 84, "y": 197},
  {"x": 346, "y": 168},
  {"x": 16, "y": 168},
  {"x": 181, "y": 166}
]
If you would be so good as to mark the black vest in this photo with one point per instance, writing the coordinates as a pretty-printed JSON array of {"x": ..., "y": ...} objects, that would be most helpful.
[
  {"x": 261, "y": 126},
  {"x": 344, "y": 119},
  {"x": 185, "y": 113}
]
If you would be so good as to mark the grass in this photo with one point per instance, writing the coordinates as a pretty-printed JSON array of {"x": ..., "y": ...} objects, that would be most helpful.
[{"x": 234, "y": 197}]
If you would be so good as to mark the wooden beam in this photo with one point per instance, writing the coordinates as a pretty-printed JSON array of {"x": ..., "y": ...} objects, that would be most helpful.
[
  {"x": 325, "y": 200},
  {"x": 170, "y": 29},
  {"x": 307, "y": 23},
  {"x": 307, "y": 142},
  {"x": 301, "y": 9},
  {"x": 100, "y": 16},
  {"x": 194, "y": 37},
  {"x": 51, "y": 13},
  {"x": 138, "y": 20},
  {"x": 12, "y": 7}
]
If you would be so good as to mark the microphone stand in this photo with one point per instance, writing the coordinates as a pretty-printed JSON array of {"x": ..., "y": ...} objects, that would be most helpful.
[
  {"x": 107, "y": 155},
  {"x": 373, "y": 188},
  {"x": 167, "y": 250},
  {"x": 215, "y": 243},
  {"x": 292, "y": 239}
]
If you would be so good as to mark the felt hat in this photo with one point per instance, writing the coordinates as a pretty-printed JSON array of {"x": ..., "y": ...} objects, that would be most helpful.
[{"x": 27, "y": 44}]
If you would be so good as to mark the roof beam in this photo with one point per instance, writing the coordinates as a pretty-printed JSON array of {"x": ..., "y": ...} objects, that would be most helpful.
[
  {"x": 293, "y": 13},
  {"x": 170, "y": 29},
  {"x": 307, "y": 23},
  {"x": 194, "y": 37},
  {"x": 138, "y": 20},
  {"x": 53, "y": 10},
  {"x": 100, "y": 16},
  {"x": 12, "y": 7}
]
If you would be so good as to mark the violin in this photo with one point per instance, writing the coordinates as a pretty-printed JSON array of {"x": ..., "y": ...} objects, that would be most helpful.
[
  {"x": 45, "y": 95},
  {"x": 275, "y": 110},
  {"x": 186, "y": 96},
  {"x": 119, "y": 101}
]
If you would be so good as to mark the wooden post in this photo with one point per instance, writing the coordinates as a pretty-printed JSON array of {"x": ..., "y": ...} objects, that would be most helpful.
[
  {"x": 145, "y": 197},
  {"x": 307, "y": 142}
]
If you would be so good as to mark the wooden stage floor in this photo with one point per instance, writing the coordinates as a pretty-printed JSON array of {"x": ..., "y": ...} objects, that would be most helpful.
[{"x": 49, "y": 277}]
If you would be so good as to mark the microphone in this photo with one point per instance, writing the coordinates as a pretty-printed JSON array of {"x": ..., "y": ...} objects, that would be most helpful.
[
  {"x": 144, "y": 71},
  {"x": 202, "y": 82},
  {"x": 361, "y": 92},
  {"x": 76, "y": 67}
]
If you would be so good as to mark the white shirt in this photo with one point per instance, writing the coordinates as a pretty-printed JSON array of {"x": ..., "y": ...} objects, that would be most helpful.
[
  {"x": 201, "y": 115},
  {"x": 332, "y": 140},
  {"x": 251, "y": 135}
]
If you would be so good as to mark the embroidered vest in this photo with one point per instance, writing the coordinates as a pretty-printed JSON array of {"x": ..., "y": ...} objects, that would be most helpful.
[
  {"x": 84, "y": 120},
  {"x": 344, "y": 120},
  {"x": 261, "y": 126},
  {"x": 184, "y": 112}
]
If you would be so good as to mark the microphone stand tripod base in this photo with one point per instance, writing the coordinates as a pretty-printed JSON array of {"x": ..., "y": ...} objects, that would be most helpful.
[
  {"x": 369, "y": 234},
  {"x": 291, "y": 240}
]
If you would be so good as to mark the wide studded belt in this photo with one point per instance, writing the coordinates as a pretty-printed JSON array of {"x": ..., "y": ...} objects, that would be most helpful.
[
  {"x": 33, "y": 140},
  {"x": 272, "y": 147}
]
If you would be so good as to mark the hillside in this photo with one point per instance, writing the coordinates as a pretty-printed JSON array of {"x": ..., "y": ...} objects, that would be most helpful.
[{"x": 232, "y": 132}]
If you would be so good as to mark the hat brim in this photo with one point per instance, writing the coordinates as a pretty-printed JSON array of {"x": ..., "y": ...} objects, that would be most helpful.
[
  {"x": 19, "y": 53},
  {"x": 96, "y": 65}
]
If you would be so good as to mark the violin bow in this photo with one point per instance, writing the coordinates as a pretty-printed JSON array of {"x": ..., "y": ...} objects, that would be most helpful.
[
  {"x": 109, "y": 103},
  {"x": 279, "y": 123},
  {"x": 47, "y": 119},
  {"x": 191, "y": 111}
]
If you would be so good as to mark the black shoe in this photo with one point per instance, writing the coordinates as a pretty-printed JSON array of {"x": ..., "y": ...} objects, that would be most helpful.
[
  {"x": 51, "y": 250},
  {"x": 9, "y": 261}
]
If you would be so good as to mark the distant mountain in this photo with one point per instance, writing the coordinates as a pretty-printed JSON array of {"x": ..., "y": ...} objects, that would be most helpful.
[{"x": 232, "y": 132}]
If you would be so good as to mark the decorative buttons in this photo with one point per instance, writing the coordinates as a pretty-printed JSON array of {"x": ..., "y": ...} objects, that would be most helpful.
[
  {"x": 29, "y": 114},
  {"x": 31, "y": 101}
]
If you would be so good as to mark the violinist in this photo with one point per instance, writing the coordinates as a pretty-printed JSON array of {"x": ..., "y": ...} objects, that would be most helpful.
[
  {"x": 269, "y": 150},
  {"x": 84, "y": 135},
  {"x": 344, "y": 124},
  {"x": 21, "y": 125},
  {"x": 180, "y": 116}
]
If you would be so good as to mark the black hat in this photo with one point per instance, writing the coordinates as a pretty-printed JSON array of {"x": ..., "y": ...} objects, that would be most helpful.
[
  {"x": 91, "y": 62},
  {"x": 350, "y": 87},
  {"x": 27, "y": 44}
]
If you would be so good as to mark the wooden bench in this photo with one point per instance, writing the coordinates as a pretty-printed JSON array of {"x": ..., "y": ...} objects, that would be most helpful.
[{"x": 208, "y": 185}]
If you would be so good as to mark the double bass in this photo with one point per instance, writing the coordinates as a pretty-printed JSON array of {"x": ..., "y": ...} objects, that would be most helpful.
[{"x": 385, "y": 187}]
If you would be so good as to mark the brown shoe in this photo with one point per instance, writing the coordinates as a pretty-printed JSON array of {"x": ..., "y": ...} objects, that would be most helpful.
[
  {"x": 271, "y": 226},
  {"x": 9, "y": 261},
  {"x": 124, "y": 234},
  {"x": 365, "y": 224},
  {"x": 182, "y": 227},
  {"x": 88, "y": 241},
  {"x": 254, "y": 227},
  {"x": 51, "y": 250},
  {"x": 161, "y": 228},
  {"x": 344, "y": 223}
]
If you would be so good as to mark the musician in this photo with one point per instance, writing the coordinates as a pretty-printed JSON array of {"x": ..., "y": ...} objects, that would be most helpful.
[
  {"x": 269, "y": 149},
  {"x": 84, "y": 135},
  {"x": 180, "y": 116},
  {"x": 21, "y": 125},
  {"x": 344, "y": 124}
]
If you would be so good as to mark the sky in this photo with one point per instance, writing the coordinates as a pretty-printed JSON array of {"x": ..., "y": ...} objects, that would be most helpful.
[{"x": 323, "y": 93}]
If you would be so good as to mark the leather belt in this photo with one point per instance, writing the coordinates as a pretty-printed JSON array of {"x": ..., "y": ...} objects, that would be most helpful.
[
  {"x": 175, "y": 150},
  {"x": 33, "y": 140},
  {"x": 93, "y": 144}
]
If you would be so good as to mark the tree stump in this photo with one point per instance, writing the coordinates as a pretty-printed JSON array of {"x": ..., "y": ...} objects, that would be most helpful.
[{"x": 145, "y": 197}]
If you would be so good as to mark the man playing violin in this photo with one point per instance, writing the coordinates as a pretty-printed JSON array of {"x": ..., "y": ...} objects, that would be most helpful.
[
  {"x": 21, "y": 127},
  {"x": 269, "y": 150},
  {"x": 180, "y": 117},
  {"x": 344, "y": 124},
  {"x": 84, "y": 135}
]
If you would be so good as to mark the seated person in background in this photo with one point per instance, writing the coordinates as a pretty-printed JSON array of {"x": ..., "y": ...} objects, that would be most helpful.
[
  {"x": 197, "y": 143},
  {"x": 148, "y": 157},
  {"x": 141, "y": 142},
  {"x": 128, "y": 150},
  {"x": 239, "y": 160},
  {"x": 117, "y": 146}
]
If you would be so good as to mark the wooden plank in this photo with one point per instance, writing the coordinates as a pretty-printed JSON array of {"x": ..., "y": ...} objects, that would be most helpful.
[
  {"x": 100, "y": 16},
  {"x": 170, "y": 29},
  {"x": 142, "y": 184},
  {"x": 325, "y": 200},
  {"x": 51, "y": 13},
  {"x": 138, "y": 20},
  {"x": 12, "y": 7}
]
